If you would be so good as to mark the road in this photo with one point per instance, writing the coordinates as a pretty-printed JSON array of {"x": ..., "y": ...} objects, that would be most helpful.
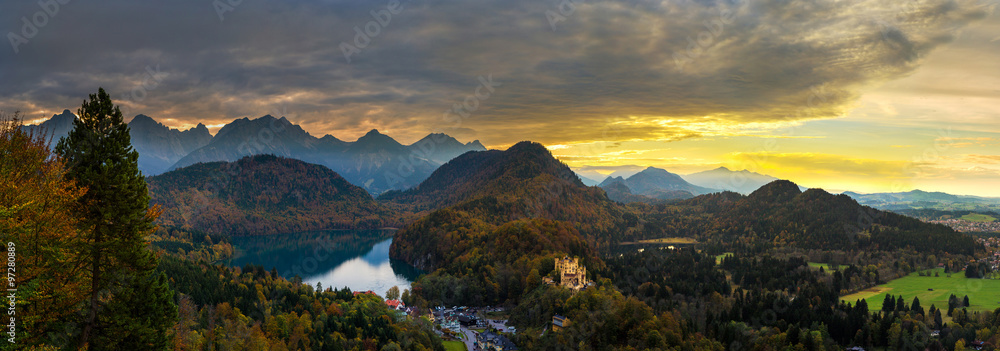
[{"x": 470, "y": 339}]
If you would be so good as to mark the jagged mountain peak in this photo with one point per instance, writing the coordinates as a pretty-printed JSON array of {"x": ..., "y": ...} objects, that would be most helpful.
[
  {"x": 476, "y": 144},
  {"x": 611, "y": 180},
  {"x": 375, "y": 140}
]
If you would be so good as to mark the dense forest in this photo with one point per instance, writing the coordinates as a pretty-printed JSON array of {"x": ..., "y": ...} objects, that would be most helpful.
[{"x": 251, "y": 308}]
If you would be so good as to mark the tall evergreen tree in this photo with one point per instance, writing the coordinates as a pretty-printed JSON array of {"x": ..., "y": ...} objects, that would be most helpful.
[
  {"x": 888, "y": 304},
  {"x": 115, "y": 212},
  {"x": 915, "y": 306}
]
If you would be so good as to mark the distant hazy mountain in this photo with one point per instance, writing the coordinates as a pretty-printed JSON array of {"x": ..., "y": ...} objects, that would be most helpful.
[
  {"x": 743, "y": 182},
  {"x": 654, "y": 183},
  {"x": 262, "y": 194},
  {"x": 587, "y": 180},
  {"x": 653, "y": 179},
  {"x": 244, "y": 137},
  {"x": 54, "y": 128},
  {"x": 375, "y": 161},
  {"x": 918, "y": 199},
  {"x": 441, "y": 148},
  {"x": 160, "y": 147},
  {"x": 618, "y": 190}
]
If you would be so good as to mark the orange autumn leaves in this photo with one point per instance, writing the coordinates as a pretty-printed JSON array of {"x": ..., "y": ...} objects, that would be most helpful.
[{"x": 36, "y": 214}]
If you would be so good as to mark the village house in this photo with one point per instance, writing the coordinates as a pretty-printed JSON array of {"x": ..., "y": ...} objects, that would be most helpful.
[
  {"x": 491, "y": 341},
  {"x": 559, "y": 322},
  {"x": 395, "y": 304}
]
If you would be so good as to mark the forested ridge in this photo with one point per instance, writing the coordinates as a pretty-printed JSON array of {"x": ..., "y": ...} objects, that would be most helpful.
[
  {"x": 263, "y": 194},
  {"x": 524, "y": 181},
  {"x": 779, "y": 215}
]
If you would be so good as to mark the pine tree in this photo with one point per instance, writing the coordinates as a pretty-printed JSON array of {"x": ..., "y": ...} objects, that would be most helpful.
[
  {"x": 139, "y": 315},
  {"x": 888, "y": 304},
  {"x": 115, "y": 212},
  {"x": 915, "y": 306}
]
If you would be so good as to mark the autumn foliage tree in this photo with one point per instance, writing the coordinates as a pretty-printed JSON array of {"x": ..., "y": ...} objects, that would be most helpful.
[{"x": 36, "y": 223}]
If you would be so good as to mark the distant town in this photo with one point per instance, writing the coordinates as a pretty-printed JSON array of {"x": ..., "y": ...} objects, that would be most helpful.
[{"x": 967, "y": 226}]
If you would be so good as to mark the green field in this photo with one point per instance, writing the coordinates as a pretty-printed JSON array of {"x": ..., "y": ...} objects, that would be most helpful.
[
  {"x": 975, "y": 217},
  {"x": 454, "y": 346},
  {"x": 984, "y": 294},
  {"x": 826, "y": 266}
]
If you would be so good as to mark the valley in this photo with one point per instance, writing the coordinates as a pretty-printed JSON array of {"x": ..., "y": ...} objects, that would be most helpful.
[
  {"x": 654, "y": 250},
  {"x": 500, "y": 175}
]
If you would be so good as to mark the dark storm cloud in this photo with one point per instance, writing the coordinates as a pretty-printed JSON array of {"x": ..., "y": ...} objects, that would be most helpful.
[{"x": 563, "y": 69}]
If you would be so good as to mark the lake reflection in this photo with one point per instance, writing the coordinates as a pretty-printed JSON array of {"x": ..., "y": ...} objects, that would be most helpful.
[{"x": 358, "y": 259}]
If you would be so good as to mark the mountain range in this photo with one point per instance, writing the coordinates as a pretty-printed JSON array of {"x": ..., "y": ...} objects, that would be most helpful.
[
  {"x": 743, "y": 182},
  {"x": 652, "y": 183},
  {"x": 159, "y": 146},
  {"x": 375, "y": 161},
  {"x": 54, "y": 128}
]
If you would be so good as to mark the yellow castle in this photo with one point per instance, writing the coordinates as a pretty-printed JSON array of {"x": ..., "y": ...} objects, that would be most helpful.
[{"x": 572, "y": 274}]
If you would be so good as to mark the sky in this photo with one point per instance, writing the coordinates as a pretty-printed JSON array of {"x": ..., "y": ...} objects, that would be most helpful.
[{"x": 862, "y": 95}]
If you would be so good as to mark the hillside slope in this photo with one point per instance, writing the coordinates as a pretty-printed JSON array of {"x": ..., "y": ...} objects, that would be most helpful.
[
  {"x": 263, "y": 194},
  {"x": 483, "y": 207},
  {"x": 779, "y": 214}
]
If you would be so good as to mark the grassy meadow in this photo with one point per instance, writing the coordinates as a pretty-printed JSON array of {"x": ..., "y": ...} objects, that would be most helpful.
[
  {"x": 975, "y": 217},
  {"x": 984, "y": 294}
]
